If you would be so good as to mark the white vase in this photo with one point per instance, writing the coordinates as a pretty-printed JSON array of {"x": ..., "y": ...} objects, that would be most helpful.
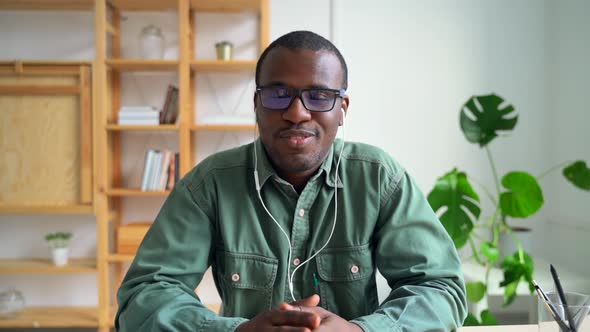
[
  {"x": 507, "y": 245},
  {"x": 60, "y": 256},
  {"x": 152, "y": 43}
]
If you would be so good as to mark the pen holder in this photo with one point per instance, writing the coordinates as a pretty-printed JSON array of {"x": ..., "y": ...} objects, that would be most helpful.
[{"x": 578, "y": 305}]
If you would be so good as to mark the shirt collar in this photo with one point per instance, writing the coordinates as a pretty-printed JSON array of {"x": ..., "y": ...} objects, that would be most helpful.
[{"x": 265, "y": 169}]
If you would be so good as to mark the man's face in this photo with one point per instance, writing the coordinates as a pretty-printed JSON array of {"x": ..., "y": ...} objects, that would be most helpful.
[{"x": 296, "y": 139}]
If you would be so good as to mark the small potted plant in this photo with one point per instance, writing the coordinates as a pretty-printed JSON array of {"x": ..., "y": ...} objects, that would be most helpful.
[
  {"x": 59, "y": 243},
  {"x": 517, "y": 194}
]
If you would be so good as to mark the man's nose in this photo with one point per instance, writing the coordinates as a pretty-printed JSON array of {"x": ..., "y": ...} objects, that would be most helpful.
[{"x": 297, "y": 113}]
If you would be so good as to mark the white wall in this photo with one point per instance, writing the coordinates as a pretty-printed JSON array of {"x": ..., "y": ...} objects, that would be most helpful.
[
  {"x": 412, "y": 65},
  {"x": 568, "y": 56}
]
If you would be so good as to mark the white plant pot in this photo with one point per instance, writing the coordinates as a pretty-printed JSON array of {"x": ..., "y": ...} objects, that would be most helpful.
[
  {"x": 60, "y": 256},
  {"x": 507, "y": 245}
]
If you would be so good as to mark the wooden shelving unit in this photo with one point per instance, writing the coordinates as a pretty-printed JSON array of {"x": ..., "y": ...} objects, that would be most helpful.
[
  {"x": 100, "y": 170},
  {"x": 109, "y": 65},
  {"x": 60, "y": 96}
]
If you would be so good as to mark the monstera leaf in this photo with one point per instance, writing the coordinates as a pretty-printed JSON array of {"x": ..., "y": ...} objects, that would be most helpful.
[
  {"x": 524, "y": 197},
  {"x": 516, "y": 270},
  {"x": 578, "y": 174},
  {"x": 454, "y": 192},
  {"x": 481, "y": 117}
]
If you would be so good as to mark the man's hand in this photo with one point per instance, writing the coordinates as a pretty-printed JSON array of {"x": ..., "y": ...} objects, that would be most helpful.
[
  {"x": 330, "y": 322},
  {"x": 294, "y": 317}
]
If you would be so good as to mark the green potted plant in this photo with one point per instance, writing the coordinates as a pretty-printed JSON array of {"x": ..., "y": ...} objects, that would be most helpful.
[
  {"x": 59, "y": 243},
  {"x": 517, "y": 194}
]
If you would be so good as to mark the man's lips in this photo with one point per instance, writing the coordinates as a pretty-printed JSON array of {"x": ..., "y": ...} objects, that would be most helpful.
[
  {"x": 296, "y": 133},
  {"x": 297, "y": 138}
]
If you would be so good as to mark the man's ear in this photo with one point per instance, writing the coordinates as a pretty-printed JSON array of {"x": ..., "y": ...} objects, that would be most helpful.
[
  {"x": 344, "y": 107},
  {"x": 254, "y": 101}
]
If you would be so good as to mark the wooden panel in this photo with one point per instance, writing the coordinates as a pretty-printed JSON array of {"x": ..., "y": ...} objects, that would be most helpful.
[
  {"x": 224, "y": 5},
  {"x": 85, "y": 136},
  {"x": 46, "y": 4},
  {"x": 38, "y": 143},
  {"x": 39, "y": 90},
  {"x": 46, "y": 209},
  {"x": 53, "y": 317},
  {"x": 44, "y": 67},
  {"x": 129, "y": 237},
  {"x": 264, "y": 25},
  {"x": 44, "y": 265}
]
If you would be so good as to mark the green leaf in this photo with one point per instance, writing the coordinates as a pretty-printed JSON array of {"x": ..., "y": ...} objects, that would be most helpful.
[
  {"x": 510, "y": 293},
  {"x": 475, "y": 291},
  {"x": 524, "y": 197},
  {"x": 516, "y": 270},
  {"x": 454, "y": 192},
  {"x": 578, "y": 174},
  {"x": 490, "y": 251},
  {"x": 487, "y": 318},
  {"x": 481, "y": 117},
  {"x": 471, "y": 320}
]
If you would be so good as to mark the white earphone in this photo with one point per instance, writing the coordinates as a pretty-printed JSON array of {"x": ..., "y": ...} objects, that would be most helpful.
[{"x": 257, "y": 183}]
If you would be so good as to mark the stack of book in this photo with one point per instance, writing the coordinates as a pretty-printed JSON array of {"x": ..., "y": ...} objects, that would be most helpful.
[
  {"x": 169, "y": 112},
  {"x": 138, "y": 115},
  {"x": 160, "y": 170}
]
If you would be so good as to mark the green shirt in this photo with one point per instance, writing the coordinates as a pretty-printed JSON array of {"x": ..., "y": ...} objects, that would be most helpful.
[{"x": 214, "y": 217}]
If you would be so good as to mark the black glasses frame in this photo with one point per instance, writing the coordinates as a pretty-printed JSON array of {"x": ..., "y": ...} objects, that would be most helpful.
[{"x": 297, "y": 93}]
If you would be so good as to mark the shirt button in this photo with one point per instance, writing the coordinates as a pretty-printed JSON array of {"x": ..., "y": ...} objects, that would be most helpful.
[
  {"x": 301, "y": 212},
  {"x": 354, "y": 269},
  {"x": 235, "y": 277},
  {"x": 296, "y": 261}
]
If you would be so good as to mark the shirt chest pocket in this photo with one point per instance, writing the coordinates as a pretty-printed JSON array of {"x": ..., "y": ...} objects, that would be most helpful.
[
  {"x": 246, "y": 284},
  {"x": 347, "y": 281}
]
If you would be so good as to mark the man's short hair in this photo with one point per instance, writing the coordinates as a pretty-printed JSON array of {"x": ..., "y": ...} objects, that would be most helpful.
[{"x": 305, "y": 40}]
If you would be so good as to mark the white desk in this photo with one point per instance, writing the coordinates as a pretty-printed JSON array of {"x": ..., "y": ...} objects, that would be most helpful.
[
  {"x": 515, "y": 328},
  {"x": 500, "y": 328},
  {"x": 526, "y": 302}
]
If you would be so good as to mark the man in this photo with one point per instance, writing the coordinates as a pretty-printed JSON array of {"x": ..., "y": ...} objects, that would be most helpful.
[{"x": 296, "y": 224}]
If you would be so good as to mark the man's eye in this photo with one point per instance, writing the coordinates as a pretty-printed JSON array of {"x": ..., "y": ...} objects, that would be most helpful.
[
  {"x": 321, "y": 95},
  {"x": 281, "y": 92}
]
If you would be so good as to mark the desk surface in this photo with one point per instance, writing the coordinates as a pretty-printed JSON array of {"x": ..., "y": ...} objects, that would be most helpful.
[
  {"x": 517, "y": 328},
  {"x": 500, "y": 328}
]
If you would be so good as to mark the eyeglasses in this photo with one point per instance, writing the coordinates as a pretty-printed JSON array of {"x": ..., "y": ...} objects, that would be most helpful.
[{"x": 313, "y": 99}]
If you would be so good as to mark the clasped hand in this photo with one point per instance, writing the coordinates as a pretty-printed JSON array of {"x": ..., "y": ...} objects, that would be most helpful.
[{"x": 300, "y": 316}]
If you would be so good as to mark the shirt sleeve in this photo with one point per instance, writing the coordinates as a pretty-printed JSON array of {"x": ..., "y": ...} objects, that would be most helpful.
[
  {"x": 158, "y": 292},
  {"x": 420, "y": 263}
]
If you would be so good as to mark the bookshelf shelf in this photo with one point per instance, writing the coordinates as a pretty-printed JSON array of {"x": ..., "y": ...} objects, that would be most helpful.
[
  {"x": 144, "y": 5},
  {"x": 218, "y": 127},
  {"x": 109, "y": 67},
  {"x": 46, "y": 209},
  {"x": 45, "y": 266},
  {"x": 53, "y": 317},
  {"x": 121, "y": 192},
  {"x": 224, "y": 5},
  {"x": 114, "y": 127},
  {"x": 142, "y": 65},
  {"x": 223, "y": 66},
  {"x": 46, "y": 4}
]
